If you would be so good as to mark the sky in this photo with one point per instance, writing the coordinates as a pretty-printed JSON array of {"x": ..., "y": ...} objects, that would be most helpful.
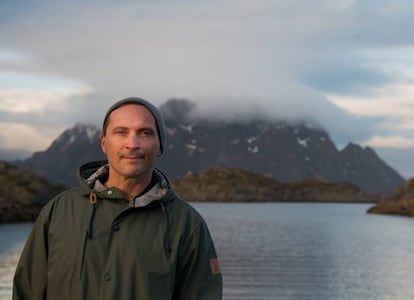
[{"x": 346, "y": 64}]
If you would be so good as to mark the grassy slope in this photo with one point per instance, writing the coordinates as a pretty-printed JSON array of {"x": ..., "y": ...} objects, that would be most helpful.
[
  {"x": 401, "y": 202},
  {"x": 23, "y": 194},
  {"x": 234, "y": 185}
]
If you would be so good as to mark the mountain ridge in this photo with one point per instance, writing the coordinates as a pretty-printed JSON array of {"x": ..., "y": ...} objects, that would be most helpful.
[{"x": 276, "y": 149}]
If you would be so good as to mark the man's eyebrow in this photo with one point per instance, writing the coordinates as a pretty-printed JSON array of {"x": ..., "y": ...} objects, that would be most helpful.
[
  {"x": 119, "y": 127},
  {"x": 138, "y": 130},
  {"x": 146, "y": 129}
]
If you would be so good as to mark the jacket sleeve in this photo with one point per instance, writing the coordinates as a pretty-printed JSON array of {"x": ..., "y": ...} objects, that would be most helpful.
[
  {"x": 30, "y": 278},
  {"x": 199, "y": 275}
]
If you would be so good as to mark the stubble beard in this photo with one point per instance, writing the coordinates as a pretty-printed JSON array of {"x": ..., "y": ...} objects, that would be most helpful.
[{"x": 139, "y": 166}]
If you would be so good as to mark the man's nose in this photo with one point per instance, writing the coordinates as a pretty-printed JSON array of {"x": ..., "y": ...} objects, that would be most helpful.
[{"x": 133, "y": 141}]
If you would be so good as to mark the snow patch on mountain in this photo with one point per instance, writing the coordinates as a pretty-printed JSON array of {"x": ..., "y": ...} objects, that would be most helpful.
[
  {"x": 188, "y": 128},
  {"x": 253, "y": 149},
  {"x": 303, "y": 142},
  {"x": 171, "y": 131},
  {"x": 252, "y": 139}
]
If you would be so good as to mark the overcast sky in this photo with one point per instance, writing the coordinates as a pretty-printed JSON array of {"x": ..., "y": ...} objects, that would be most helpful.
[{"x": 346, "y": 64}]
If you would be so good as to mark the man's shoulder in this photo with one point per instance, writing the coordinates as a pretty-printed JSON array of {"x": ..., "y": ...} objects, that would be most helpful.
[
  {"x": 175, "y": 200},
  {"x": 185, "y": 209},
  {"x": 67, "y": 195},
  {"x": 61, "y": 204}
]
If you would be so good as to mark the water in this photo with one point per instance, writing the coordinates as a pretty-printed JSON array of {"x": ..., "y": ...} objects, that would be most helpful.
[
  {"x": 12, "y": 237},
  {"x": 311, "y": 251},
  {"x": 291, "y": 251}
]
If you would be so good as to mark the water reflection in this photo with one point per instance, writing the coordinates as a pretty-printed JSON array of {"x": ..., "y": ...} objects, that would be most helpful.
[
  {"x": 12, "y": 237},
  {"x": 311, "y": 251}
]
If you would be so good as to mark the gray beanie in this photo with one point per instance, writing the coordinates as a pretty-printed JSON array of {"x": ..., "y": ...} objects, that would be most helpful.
[{"x": 154, "y": 111}]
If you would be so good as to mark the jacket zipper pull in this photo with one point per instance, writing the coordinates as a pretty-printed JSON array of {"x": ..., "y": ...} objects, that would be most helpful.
[{"x": 92, "y": 200}]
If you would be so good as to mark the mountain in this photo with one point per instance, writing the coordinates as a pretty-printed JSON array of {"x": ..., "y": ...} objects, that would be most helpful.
[
  {"x": 286, "y": 152},
  {"x": 62, "y": 159},
  {"x": 23, "y": 193}
]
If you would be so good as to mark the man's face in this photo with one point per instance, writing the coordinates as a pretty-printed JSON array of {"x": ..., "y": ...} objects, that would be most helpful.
[{"x": 131, "y": 142}]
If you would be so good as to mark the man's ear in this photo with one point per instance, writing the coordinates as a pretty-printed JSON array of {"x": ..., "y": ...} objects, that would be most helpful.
[{"x": 103, "y": 143}]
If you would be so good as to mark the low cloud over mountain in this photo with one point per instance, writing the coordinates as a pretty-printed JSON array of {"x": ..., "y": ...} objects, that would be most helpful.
[{"x": 286, "y": 152}]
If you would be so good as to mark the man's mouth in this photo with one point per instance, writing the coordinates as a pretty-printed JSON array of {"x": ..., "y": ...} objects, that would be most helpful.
[{"x": 132, "y": 157}]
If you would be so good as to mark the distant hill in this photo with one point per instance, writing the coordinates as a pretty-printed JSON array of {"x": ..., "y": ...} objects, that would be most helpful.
[
  {"x": 280, "y": 150},
  {"x": 23, "y": 193},
  {"x": 234, "y": 185},
  {"x": 400, "y": 202}
]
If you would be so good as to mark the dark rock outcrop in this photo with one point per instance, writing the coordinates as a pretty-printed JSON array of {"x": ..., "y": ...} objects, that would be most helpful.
[
  {"x": 23, "y": 194},
  {"x": 400, "y": 202}
]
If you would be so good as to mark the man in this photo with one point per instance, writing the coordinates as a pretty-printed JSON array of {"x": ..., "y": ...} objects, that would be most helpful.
[{"x": 124, "y": 234}]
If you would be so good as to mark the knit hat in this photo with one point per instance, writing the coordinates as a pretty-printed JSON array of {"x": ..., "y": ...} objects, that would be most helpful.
[{"x": 159, "y": 121}]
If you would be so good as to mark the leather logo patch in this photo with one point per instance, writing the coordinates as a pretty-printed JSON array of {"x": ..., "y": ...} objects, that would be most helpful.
[{"x": 215, "y": 266}]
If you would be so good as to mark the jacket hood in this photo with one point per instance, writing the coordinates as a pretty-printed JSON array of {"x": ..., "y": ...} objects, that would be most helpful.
[{"x": 93, "y": 175}]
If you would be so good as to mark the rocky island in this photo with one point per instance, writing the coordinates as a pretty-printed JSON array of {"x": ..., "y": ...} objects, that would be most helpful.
[
  {"x": 400, "y": 202},
  {"x": 235, "y": 185},
  {"x": 23, "y": 193}
]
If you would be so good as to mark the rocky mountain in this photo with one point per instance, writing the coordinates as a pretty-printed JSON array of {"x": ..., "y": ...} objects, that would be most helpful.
[
  {"x": 62, "y": 159},
  {"x": 275, "y": 149},
  {"x": 23, "y": 193}
]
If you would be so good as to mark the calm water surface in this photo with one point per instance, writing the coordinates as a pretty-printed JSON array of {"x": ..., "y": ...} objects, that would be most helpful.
[
  {"x": 312, "y": 251},
  {"x": 290, "y": 251},
  {"x": 12, "y": 238}
]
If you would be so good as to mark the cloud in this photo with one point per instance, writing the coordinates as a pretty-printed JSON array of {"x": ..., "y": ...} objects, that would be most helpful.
[
  {"x": 33, "y": 101},
  {"x": 393, "y": 105},
  {"x": 32, "y": 118},
  {"x": 165, "y": 49},
  {"x": 396, "y": 100},
  {"x": 16, "y": 136},
  {"x": 391, "y": 142},
  {"x": 345, "y": 64}
]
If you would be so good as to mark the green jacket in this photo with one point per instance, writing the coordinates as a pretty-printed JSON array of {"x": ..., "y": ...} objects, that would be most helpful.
[{"x": 91, "y": 243}]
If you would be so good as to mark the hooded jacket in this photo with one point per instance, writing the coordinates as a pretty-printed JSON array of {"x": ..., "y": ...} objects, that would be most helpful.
[{"x": 92, "y": 243}]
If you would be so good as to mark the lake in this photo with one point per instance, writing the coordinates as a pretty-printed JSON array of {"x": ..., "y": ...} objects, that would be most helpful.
[{"x": 290, "y": 251}]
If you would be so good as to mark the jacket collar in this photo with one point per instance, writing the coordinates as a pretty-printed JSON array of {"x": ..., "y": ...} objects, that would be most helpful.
[{"x": 91, "y": 177}]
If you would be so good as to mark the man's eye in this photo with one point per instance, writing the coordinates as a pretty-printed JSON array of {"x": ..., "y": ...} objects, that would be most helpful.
[
  {"x": 121, "y": 132},
  {"x": 146, "y": 133}
]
